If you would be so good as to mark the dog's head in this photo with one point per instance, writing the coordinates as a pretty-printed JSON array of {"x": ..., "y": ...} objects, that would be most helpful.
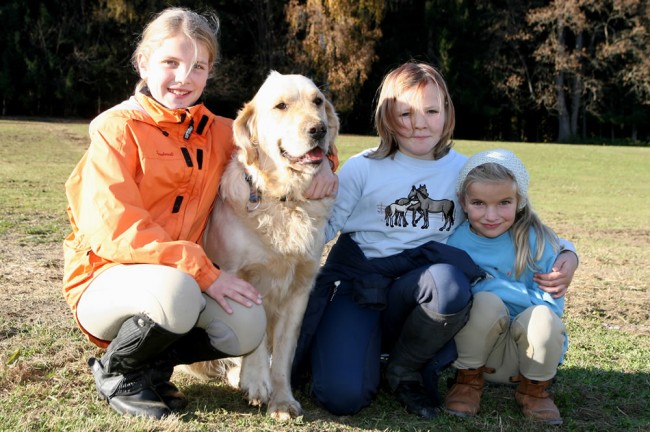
[{"x": 289, "y": 124}]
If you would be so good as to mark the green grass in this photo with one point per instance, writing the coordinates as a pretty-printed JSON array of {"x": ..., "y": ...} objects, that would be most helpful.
[
  {"x": 35, "y": 160},
  {"x": 595, "y": 196}
]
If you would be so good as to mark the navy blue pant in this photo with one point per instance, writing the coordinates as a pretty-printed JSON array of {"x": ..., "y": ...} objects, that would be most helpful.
[{"x": 346, "y": 350}]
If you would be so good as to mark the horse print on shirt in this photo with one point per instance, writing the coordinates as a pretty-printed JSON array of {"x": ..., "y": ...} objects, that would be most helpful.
[
  {"x": 395, "y": 213},
  {"x": 420, "y": 205}
]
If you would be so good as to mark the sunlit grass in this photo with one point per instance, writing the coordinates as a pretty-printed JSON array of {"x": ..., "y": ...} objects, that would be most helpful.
[{"x": 594, "y": 196}]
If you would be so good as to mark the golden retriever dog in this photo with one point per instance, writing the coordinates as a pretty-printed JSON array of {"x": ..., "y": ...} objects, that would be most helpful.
[{"x": 264, "y": 230}]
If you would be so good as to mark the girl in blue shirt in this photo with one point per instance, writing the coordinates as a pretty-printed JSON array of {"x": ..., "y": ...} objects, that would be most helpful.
[{"x": 515, "y": 332}]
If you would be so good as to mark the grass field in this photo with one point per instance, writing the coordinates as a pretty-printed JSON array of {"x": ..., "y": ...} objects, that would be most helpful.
[{"x": 598, "y": 197}]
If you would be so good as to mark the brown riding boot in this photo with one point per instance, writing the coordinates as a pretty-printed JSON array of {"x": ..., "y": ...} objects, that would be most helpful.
[
  {"x": 464, "y": 397},
  {"x": 536, "y": 403}
]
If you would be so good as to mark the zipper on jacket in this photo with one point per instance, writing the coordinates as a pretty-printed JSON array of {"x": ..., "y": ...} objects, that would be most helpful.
[
  {"x": 334, "y": 289},
  {"x": 189, "y": 130}
]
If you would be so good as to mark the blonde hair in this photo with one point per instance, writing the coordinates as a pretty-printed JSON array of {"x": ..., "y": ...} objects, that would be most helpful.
[
  {"x": 406, "y": 77},
  {"x": 171, "y": 22},
  {"x": 525, "y": 219}
]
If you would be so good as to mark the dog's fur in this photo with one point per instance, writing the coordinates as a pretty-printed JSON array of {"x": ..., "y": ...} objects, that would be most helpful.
[{"x": 282, "y": 135}]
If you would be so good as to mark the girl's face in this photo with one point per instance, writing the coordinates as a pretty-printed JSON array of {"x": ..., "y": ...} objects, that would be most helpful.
[
  {"x": 491, "y": 207},
  {"x": 420, "y": 115},
  {"x": 175, "y": 78}
]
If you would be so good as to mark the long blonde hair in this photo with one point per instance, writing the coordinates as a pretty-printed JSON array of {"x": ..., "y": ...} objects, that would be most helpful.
[
  {"x": 200, "y": 29},
  {"x": 405, "y": 77},
  {"x": 525, "y": 219}
]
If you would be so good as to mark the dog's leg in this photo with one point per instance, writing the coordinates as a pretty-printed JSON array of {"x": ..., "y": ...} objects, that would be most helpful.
[
  {"x": 255, "y": 376},
  {"x": 283, "y": 406}
]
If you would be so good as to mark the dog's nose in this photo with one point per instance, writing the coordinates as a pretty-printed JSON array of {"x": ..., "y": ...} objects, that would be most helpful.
[{"x": 318, "y": 131}]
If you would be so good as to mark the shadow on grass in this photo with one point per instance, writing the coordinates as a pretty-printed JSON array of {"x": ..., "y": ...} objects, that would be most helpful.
[
  {"x": 589, "y": 400},
  {"x": 216, "y": 397}
]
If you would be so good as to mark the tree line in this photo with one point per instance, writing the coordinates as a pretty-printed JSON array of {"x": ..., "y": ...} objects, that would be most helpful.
[{"x": 537, "y": 70}]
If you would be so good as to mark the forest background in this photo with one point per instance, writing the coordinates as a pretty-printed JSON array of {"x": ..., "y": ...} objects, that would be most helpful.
[{"x": 529, "y": 71}]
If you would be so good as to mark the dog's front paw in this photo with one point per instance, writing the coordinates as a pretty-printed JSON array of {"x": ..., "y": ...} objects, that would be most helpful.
[
  {"x": 257, "y": 392},
  {"x": 284, "y": 410},
  {"x": 255, "y": 378}
]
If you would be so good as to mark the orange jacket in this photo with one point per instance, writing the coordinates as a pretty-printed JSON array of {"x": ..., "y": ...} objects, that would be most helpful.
[{"x": 143, "y": 191}]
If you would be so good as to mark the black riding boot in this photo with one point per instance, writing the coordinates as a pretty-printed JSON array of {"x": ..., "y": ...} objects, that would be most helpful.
[
  {"x": 434, "y": 368},
  {"x": 168, "y": 392},
  {"x": 424, "y": 333},
  {"x": 123, "y": 375},
  {"x": 192, "y": 347}
]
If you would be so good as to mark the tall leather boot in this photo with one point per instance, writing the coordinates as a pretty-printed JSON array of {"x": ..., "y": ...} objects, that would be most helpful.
[
  {"x": 192, "y": 347},
  {"x": 434, "y": 368},
  {"x": 168, "y": 392},
  {"x": 123, "y": 375},
  {"x": 535, "y": 401},
  {"x": 464, "y": 396},
  {"x": 424, "y": 333}
]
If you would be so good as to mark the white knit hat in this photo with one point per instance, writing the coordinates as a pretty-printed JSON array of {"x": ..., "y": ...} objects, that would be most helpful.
[{"x": 502, "y": 157}]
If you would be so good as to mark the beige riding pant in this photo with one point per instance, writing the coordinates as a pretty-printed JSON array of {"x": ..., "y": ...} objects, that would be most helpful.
[
  {"x": 173, "y": 300},
  {"x": 530, "y": 344}
]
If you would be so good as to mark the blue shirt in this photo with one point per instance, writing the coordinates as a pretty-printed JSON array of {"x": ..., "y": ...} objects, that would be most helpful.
[{"x": 497, "y": 257}]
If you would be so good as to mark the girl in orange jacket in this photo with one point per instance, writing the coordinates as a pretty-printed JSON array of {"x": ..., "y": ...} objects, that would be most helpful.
[{"x": 136, "y": 276}]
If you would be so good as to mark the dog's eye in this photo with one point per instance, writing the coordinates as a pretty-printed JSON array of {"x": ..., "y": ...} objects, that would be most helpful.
[
  {"x": 281, "y": 106},
  {"x": 318, "y": 101}
]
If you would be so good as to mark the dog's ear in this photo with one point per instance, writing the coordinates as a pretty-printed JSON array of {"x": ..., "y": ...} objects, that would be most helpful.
[
  {"x": 244, "y": 133},
  {"x": 332, "y": 124}
]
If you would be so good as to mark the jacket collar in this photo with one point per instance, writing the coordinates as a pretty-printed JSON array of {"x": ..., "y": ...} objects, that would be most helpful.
[{"x": 198, "y": 115}]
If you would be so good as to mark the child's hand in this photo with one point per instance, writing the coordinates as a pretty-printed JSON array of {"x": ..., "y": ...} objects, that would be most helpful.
[
  {"x": 325, "y": 183},
  {"x": 230, "y": 286},
  {"x": 558, "y": 280}
]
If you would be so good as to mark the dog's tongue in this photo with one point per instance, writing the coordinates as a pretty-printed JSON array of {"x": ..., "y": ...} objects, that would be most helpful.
[{"x": 315, "y": 155}]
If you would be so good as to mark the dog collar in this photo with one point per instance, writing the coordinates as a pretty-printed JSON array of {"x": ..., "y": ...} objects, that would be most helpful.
[{"x": 255, "y": 196}]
